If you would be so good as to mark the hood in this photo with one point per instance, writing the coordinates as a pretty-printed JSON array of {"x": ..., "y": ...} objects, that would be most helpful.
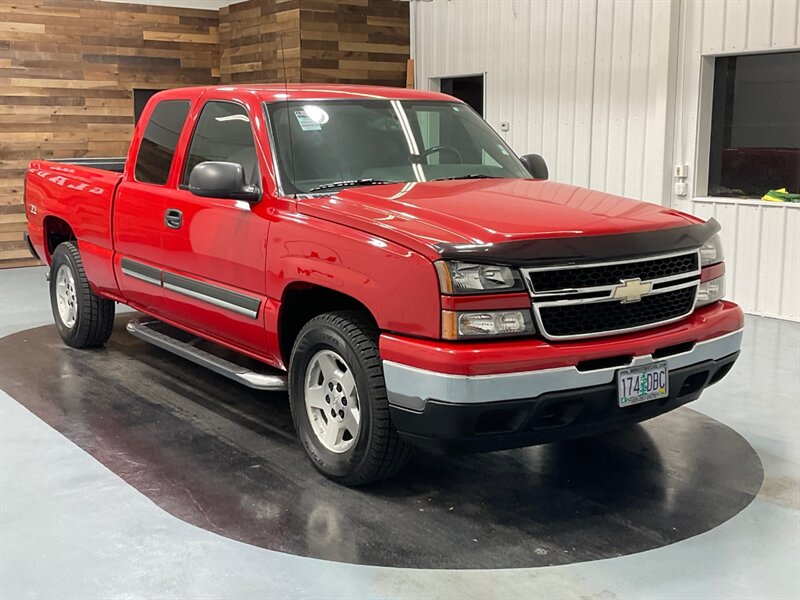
[{"x": 490, "y": 212}]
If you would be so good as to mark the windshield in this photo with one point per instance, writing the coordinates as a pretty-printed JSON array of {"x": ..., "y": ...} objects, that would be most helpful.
[{"x": 340, "y": 143}]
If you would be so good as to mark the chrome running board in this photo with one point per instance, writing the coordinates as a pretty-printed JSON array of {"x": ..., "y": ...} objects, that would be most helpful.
[{"x": 146, "y": 329}]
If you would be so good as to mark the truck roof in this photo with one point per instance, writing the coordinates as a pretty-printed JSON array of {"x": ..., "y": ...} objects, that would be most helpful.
[{"x": 312, "y": 91}]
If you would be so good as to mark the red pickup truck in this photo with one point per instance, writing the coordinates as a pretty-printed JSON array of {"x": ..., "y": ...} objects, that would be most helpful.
[{"x": 383, "y": 255}]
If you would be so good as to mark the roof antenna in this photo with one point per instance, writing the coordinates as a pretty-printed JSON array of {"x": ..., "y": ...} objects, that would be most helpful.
[{"x": 288, "y": 120}]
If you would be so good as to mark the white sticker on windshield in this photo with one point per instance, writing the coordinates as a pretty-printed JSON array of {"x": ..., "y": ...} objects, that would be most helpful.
[{"x": 306, "y": 122}]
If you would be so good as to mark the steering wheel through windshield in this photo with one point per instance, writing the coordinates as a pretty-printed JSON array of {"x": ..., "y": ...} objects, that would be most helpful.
[{"x": 450, "y": 149}]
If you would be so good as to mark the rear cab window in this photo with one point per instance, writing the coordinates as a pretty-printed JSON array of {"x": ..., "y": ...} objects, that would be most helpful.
[{"x": 160, "y": 139}]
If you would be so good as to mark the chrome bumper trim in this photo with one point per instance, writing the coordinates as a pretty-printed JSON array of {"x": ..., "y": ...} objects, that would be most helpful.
[{"x": 410, "y": 388}]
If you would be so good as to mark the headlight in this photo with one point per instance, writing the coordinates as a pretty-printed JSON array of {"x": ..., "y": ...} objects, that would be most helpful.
[
  {"x": 711, "y": 252},
  {"x": 712, "y": 279},
  {"x": 493, "y": 323},
  {"x": 456, "y": 277},
  {"x": 711, "y": 291}
]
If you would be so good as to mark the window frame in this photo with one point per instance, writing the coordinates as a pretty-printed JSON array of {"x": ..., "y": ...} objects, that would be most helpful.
[
  {"x": 699, "y": 181},
  {"x": 182, "y": 174},
  {"x": 175, "y": 152}
]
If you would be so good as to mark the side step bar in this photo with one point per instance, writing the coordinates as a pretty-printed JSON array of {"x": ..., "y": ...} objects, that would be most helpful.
[{"x": 145, "y": 329}]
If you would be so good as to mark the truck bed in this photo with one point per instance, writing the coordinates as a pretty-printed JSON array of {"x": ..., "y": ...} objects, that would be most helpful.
[{"x": 73, "y": 198}]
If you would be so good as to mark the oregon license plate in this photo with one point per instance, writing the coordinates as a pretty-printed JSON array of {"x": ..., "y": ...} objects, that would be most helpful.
[{"x": 642, "y": 384}]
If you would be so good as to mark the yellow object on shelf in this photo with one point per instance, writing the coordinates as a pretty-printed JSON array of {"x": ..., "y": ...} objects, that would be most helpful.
[{"x": 780, "y": 195}]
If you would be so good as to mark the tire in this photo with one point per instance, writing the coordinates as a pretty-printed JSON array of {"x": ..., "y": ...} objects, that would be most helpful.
[
  {"x": 84, "y": 320},
  {"x": 340, "y": 343}
]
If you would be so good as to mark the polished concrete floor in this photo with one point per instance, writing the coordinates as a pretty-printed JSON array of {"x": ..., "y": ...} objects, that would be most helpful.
[{"x": 129, "y": 473}]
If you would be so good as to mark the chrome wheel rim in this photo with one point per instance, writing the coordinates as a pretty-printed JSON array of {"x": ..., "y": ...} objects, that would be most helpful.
[
  {"x": 332, "y": 402},
  {"x": 66, "y": 300}
]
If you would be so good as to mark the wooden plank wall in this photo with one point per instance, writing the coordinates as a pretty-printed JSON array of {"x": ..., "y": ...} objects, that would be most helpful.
[
  {"x": 354, "y": 41},
  {"x": 325, "y": 41},
  {"x": 68, "y": 68},
  {"x": 250, "y": 41},
  {"x": 67, "y": 71}
]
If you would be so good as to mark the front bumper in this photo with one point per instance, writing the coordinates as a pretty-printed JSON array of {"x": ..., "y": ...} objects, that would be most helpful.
[{"x": 453, "y": 412}]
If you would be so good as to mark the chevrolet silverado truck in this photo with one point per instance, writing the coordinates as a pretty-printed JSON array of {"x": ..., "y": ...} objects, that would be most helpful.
[{"x": 384, "y": 256}]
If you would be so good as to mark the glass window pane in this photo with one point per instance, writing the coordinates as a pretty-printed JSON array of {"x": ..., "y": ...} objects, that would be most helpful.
[
  {"x": 323, "y": 142},
  {"x": 755, "y": 125},
  {"x": 464, "y": 144},
  {"x": 339, "y": 141},
  {"x": 223, "y": 133},
  {"x": 160, "y": 138},
  {"x": 429, "y": 126}
]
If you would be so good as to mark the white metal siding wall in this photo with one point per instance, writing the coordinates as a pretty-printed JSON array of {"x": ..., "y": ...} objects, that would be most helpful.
[
  {"x": 582, "y": 82},
  {"x": 762, "y": 253},
  {"x": 631, "y": 101},
  {"x": 762, "y": 240},
  {"x": 608, "y": 91},
  {"x": 716, "y": 27}
]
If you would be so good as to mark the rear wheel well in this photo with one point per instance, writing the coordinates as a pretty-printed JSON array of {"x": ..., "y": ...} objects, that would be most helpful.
[
  {"x": 56, "y": 231},
  {"x": 301, "y": 303}
]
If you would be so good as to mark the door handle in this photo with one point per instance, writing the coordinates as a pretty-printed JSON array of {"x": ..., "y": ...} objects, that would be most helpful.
[{"x": 173, "y": 218}]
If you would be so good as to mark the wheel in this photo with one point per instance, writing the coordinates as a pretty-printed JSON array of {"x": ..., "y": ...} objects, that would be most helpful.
[
  {"x": 338, "y": 400},
  {"x": 84, "y": 319}
]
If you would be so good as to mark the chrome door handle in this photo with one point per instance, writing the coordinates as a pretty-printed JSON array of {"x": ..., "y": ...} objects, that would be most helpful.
[{"x": 173, "y": 218}]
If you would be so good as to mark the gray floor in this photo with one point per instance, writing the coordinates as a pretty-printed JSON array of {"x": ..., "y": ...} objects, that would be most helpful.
[{"x": 70, "y": 528}]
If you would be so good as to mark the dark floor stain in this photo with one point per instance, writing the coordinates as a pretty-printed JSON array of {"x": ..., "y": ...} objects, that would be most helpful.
[{"x": 225, "y": 458}]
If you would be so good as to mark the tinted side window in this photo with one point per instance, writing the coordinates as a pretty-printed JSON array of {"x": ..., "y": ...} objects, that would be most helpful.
[
  {"x": 223, "y": 133},
  {"x": 160, "y": 139}
]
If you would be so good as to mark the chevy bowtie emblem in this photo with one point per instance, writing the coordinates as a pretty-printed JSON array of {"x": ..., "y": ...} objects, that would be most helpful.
[{"x": 632, "y": 290}]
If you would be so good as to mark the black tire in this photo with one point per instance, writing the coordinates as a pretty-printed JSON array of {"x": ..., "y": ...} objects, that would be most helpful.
[
  {"x": 95, "y": 315},
  {"x": 378, "y": 451}
]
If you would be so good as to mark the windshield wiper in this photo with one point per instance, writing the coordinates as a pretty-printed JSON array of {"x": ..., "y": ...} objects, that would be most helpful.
[
  {"x": 470, "y": 176},
  {"x": 350, "y": 182}
]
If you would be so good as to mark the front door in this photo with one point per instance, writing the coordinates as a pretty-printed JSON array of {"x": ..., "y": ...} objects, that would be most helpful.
[{"x": 214, "y": 250}]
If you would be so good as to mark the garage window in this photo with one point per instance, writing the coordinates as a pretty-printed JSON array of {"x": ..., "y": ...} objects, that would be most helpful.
[
  {"x": 140, "y": 98},
  {"x": 755, "y": 125}
]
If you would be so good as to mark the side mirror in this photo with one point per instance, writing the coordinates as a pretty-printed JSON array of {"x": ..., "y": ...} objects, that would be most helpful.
[
  {"x": 212, "y": 179},
  {"x": 535, "y": 165}
]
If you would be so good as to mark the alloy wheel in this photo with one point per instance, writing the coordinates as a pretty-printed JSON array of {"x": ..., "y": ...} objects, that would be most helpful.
[{"x": 331, "y": 399}]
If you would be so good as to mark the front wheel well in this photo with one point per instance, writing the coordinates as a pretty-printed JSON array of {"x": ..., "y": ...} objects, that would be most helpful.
[
  {"x": 56, "y": 231},
  {"x": 301, "y": 303}
]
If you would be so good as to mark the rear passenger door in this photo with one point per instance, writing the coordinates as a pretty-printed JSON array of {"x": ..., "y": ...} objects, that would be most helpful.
[
  {"x": 214, "y": 250},
  {"x": 138, "y": 211}
]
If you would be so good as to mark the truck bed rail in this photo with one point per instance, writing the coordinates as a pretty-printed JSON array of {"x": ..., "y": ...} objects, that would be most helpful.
[{"x": 115, "y": 164}]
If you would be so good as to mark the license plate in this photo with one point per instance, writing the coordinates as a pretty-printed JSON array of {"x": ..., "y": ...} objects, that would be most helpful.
[{"x": 642, "y": 384}]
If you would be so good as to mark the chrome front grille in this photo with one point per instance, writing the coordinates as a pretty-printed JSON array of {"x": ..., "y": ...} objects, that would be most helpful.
[
  {"x": 597, "y": 299},
  {"x": 590, "y": 276}
]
